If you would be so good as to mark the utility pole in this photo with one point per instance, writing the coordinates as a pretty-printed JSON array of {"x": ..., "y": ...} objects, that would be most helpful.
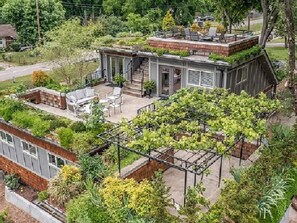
[{"x": 38, "y": 22}]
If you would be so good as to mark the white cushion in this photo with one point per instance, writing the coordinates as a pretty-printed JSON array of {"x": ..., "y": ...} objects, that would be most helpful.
[
  {"x": 90, "y": 92},
  {"x": 80, "y": 94},
  {"x": 84, "y": 100},
  {"x": 72, "y": 98}
]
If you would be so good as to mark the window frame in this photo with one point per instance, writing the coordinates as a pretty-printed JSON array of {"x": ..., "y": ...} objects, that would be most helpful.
[
  {"x": 200, "y": 78},
  {"x": 5, "y": 134},
  {"x": 28, "y": 151},
  {"x": 56, "y": 164}
]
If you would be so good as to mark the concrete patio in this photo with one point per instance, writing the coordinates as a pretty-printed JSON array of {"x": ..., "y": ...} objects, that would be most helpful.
[{"x": 129, "y": 107}]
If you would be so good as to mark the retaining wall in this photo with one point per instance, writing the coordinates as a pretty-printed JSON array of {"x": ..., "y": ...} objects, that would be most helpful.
[{"x": 29, "y": 207}]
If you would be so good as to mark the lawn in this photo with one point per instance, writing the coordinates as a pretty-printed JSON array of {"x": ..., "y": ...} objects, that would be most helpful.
[
  {"x": 278, "y": 53},
  {"x": 255, "y": 27},
  {"x": 21, "y": 58},
  {"x": 92, "y": 66}
]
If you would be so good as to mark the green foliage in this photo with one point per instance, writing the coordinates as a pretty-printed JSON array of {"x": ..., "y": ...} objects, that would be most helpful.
[
  {"x": 22, "y": 15},
  {"x": 92, "y": 167},
  {"x": 96, "y": 120},
  {"x": 43, "y": 195},
  {"x": 65, "y": 185},
  {"x": 8, "y": 107},
  {"x": 120, "y": 79},
  {"x": 77, "y": 126},
  {"x": 160, "y": 51},
  {"x": 40, "y": 127},
  {"x": 287, "y": 101},
  {"x": 40, "y": 78},
  {"x": 57, "y": 123},
  {"x": 168, "y": 21},
  {"x": 66, "y": 136},
  {"x": 237, "y": 57},
  {"x": 149, "y": 85},
  {"x": 82, "y": 142},
  {"x": 4, "y": 216},
  {"x": 103, "y": 41},
  {"x": 23, "y": 119},
  {"x": 12, "y": 181}
]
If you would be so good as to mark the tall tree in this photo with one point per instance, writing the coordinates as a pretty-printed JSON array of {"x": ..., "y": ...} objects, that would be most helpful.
[
  {"x": 231, "y": 12},
  {"x": 270, "y": 10},
  {"x": 291, "y": 40},
  {"x": 22, "y": 15}
]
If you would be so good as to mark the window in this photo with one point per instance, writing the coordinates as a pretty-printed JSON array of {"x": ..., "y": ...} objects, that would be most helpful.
[
  {"x": 29, "y": 148},
  {"x": 55, "y": 161},
  {"x": 201, "y": 78},
  {"x": 5, "y": 137},
  {"x": 1, "y": 41},
  {"x": 242, "y": 75}
]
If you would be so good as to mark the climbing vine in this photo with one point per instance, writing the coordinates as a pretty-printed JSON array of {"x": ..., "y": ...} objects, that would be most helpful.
[{"x": 194, "y": 119}]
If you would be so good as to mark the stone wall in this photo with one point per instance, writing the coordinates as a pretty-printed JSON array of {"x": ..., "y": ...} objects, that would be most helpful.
[
  {"x": 145, "y": 168},
  {"x": 46, "y": 96},
  {"x": 225, "y": 49},
  {"x": 247, "y": 151}
]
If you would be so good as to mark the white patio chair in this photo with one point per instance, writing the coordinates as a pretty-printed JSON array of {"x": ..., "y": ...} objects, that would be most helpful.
[
  {"x": 116, "y": 103},
  {"x": 116, "y": 93}
]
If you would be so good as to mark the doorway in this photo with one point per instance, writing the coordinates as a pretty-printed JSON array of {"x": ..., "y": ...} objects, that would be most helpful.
[{"x": 170, "y": 80}]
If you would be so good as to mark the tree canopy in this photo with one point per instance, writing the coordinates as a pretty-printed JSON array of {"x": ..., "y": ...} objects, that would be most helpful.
[{"x": 22, "y": 15}]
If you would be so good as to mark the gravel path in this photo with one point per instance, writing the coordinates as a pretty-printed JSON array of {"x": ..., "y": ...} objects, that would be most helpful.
[{"x": 16, "y": 215}]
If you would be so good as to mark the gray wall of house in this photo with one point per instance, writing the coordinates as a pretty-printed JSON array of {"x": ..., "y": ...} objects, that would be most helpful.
[
  {"x": 156, "y": 63},
  {"x": 255, "y": 82},
  {"x": 38, "y": 164},
  {"x": 2, "y": 42}
]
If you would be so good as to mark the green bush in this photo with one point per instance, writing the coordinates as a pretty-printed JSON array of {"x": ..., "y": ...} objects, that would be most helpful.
[
  {"x": 82, "y": 209},
  {"x": 40, "y": 127},
  {"x": 12, "y": 181},
  {"x": 92, "y": 167},
  {"x": 24, "y": 119},
  {"x": 65, "y": 136},
  {"x": 78, "y": 126},
  {"x": 43, "y": 195},
  {"x": 8, "y": 107},
  {"x": 82, "y": 142},
  {"x": 57, "y": 123},
  {"x": 4, "y": 216}
]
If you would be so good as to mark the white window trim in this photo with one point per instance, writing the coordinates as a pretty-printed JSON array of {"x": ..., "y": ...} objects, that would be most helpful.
[
  {"x": 5, "y": 140},
  {"x": 199, "y": 85},
  {"x": 28, "y": 152},
  {"x": 52, "y": 165},
  {"x": 244, "y": 80}
]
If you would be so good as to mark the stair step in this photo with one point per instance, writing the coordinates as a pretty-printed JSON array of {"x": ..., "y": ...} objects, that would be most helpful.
[
  {"x": 132, "y": 93},
  {"x": 133, "y": 88}
]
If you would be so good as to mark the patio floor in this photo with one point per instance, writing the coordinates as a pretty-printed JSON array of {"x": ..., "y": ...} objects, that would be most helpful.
[{"x": 129, "y": 107}]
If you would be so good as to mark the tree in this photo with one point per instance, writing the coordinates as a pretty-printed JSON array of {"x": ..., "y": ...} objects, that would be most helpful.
[
  {"x": 291, "y": 40},
  {"x": 231, "y": 12},
  {"x": 270, "y": 10},
  {"x": 168, "y": 21},
  {"x": 22, "y": 15}
]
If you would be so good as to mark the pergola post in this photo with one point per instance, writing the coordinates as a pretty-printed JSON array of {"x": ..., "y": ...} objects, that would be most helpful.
[
  {"x": 119, "y": 154},
  {"x": 220, "y": 171},
  {"x": 185, "y": 186},
  {"x": 241, "y": 150}
]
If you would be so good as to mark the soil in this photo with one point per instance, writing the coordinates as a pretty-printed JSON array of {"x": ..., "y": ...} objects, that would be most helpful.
[
  {"x": 27, "y": 192},
  {"x": 15, "y": 214}
]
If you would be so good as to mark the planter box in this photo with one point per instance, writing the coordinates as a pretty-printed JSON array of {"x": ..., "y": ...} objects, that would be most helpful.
[{"x": 29, "y": 207}]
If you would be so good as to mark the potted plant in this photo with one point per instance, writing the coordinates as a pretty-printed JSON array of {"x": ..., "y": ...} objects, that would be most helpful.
[
  {"x": 149, "y": 86},
  {"x": 119, "y": 79}
]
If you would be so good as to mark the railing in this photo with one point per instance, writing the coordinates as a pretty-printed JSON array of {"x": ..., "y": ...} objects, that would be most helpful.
[
  {"x": 94, "y": 76},
  {"x": 129, "y": 71},
  {"x": 142, "y": 80},
  {"x": 149, "y": 107}
]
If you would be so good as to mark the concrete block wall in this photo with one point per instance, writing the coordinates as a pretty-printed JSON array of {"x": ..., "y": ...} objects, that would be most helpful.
[{"x": 29, "y": 207}]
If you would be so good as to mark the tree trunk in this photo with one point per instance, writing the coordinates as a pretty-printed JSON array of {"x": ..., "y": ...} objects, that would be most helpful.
[
  {"x": 286, "y": 41},
  {"x": 270, "y": 14},
  {"x": 291, "y": 41}
]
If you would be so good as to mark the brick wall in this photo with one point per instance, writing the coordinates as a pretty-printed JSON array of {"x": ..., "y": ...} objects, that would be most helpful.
[
  {"x": 148, "y": 168},
  {"x": 46, "y": 96},
  {"x": 40, "y": 142},
  {"x": 248, "y": 150},
  {"x": 26, "y": 176},
  {"x": 204, "y": 47}
]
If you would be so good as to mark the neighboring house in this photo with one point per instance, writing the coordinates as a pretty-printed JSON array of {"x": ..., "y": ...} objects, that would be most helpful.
[
  {"x": 7, "y": 35},
  {"x": 170, "y": 73}
]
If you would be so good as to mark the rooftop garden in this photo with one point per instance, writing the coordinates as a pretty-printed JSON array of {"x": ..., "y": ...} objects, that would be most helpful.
[{"x": 79, "y": 137}]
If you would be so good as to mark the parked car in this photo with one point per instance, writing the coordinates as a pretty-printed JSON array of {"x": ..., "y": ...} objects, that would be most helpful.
[{"x": 25, "y": 48}]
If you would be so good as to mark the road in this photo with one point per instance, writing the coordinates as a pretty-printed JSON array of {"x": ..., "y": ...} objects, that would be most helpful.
[{"x": 18, "y": 71}]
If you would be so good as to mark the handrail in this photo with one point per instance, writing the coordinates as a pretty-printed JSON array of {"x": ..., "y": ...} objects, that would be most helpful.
[
  {"x": 129, "y": 71},
  {"x": 142, "y": 80}
]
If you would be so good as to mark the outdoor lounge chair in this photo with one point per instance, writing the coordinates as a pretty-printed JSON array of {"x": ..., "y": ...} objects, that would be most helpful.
[
  {"x": 117, "y": 103},
  {"x": 188, "y": 33},
  {"x": 221, "y": 38},
  {"x": 116, "y": 93},
  {"x": 212, "y": 33},
  {"x": 194, "y": 36}
]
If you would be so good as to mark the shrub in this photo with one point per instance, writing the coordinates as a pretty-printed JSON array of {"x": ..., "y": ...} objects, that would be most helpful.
[
  {"x": 4, "y": 216},
  {"x": 40, "y": 78},
  {"x": 78, "y": 126},
  {"x": 195, "y": 27},
  {"x": 122, "y": 34},
  {"x": 110, "y": 156},
  {"x": 12, "y": 181},
  {"x": 23, "y": 119},
  {"x": 65, "y": 185},
  {"x": 82, "y": 142},
  {"x": 104, "y": 41},
  {"x": 92, "y": 167},
  {"x": 65, "y": 136},
  {"x": 207, "y": 25},
  {"x": 168, "y": 21},
  {"x": 83, "y": 209},
  {"x": 40, "y": 127},
  {"x": 43, "y": 195},
  {"x": 8, "y": 107},
  {"x": 57, "y": 123},
  {"x": 220, "y": 28}
]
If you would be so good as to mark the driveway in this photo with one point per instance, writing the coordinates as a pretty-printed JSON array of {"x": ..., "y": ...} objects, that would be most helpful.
[{"x": 18, "y": 71}]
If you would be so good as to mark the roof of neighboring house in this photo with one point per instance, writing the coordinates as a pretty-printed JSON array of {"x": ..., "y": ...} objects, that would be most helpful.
[{"x": 7, "y": 30}]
